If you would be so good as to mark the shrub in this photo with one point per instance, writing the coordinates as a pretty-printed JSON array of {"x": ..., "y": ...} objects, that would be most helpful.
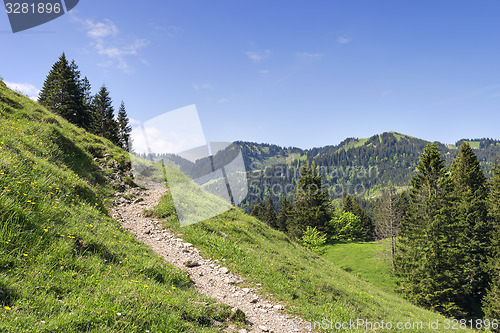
[
  {"x": 313, "y": 239},
  {"x": 345, "y": 226}
]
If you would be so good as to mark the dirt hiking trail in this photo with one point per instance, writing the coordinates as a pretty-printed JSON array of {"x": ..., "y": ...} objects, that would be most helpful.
[{"x": 210, "y": 277}]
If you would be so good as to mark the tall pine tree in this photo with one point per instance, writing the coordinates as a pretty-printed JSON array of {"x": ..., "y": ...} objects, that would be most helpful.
[
  {"x": 87, "y": 97},
  {"x": 491, "y": 303},
  {"x": 62, "y": 94},
  {"x": 82, "y": 115},
  {"x": 269, "y": 216},
  {"x": 426, "y": 259},
  {"x": 105, "y": 124},
  {"x": 473, "y": 230},
  {"x": 124, "y": 128},
  {"x": 311, "y": 203},
  {"x": 283, "y": 216},
  {"x": 258, "y": 211}
]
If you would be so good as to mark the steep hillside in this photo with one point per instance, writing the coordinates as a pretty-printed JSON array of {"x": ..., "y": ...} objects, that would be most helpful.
[{"x": 65, "y": 265}]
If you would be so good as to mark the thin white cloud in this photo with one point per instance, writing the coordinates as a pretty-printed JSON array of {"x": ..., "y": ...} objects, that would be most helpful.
[
  {"x": 386, "y": 93},
  {"x": 203, "y": 86},
  {"x": 343, "y": 40},
  {"x": 101, "y": 29},
  {"x": 133, "y": 121},
  {"x": 118, "y": 54},
  {"x": 264, "y": 71},
  {"x": 495, "y": 95},
  {"x": 307, "y": 55},
  {"x": 24, "y": 88},
  {"x": 109, "y": 42},
  {"x": 258, "y": 56},
  {"x": 172, "y": 132},
  {"x": 223, "y": 100}
]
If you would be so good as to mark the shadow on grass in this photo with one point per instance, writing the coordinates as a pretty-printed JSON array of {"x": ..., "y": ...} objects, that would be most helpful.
[
  {"x": 7, "y": 295},
  {"x": 84, "y": 247},
  {"x": 77, "y": 159},
  {"x": 10, "y": 102}
]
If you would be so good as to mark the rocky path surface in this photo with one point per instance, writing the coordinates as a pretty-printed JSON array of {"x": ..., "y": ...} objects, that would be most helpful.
[{"x": 210, "y": 277}]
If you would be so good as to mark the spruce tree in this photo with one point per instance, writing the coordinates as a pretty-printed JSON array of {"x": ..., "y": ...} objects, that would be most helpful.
[
  {"x": 269, "y": 216},
  {"x": 426, "y": 258},
  {"x": 87, "y": 97},
  {"x": 491, "y": 303},
  {"x": 348, "y": 204},
  {"x": 61, "y": 92},
  {"x": 473, "y": 230},
  {"x": 258, "y": 211},
  {"x": 124, "y": 128},
  {"x": 82, "y": 116},
  {"x": 103, "y": 115},
  {"x": 87, "y": 91},
  {"x": 311, "y": 202},
  {"x": 51, "y": 93},
  {"x": 282, "y": 219},
  {"x": 351, "y": 205}
]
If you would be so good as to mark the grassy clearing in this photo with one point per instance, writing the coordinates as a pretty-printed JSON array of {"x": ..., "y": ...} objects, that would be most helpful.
[
  {"x": 355, "y": 143},
  {"x": 377, "y": 191},
  {"x": 368, "y": 261},
  {"x": 474, "y": 144},
  {"x": 65, "y": 265},
  {"x": 310, "y": 286}
]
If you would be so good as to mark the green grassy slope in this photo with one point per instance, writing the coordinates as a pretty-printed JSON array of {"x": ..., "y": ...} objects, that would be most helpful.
[
  {"x": 369, "y": 261},
  {"x": 65, "y": 265},
  {"x": 310, "y": 286}
]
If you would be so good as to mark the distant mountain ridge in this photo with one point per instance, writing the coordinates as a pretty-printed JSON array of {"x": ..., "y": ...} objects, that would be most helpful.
[
  {"x": 488, "y": 150},
  {"x": 354, "y": 166},
  {"x": 360, "y": 167}
]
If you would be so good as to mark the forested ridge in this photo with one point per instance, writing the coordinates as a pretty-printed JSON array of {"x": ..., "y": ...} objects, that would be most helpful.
[{"x": 358, "y": 167}]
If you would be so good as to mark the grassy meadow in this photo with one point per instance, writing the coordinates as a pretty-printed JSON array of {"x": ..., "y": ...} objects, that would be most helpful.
[{"x": 368, "y": 261}]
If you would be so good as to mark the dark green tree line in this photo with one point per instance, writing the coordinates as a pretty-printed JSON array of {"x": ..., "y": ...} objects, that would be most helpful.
[
  {"x": 64, "y": 92},
  {"x": 448, "y": 254},
  {"x": 366, "y": 224},
  {"x": 310, "y": 203},
  {"x": 104, "y": 122},
  {"x": 427, "y": 255},
  {"x": 311, "y": 208},
  {"x": 473, "y": 230},
  {"x": 284, "y": 214},
  {"x": 491, "y": 302}
]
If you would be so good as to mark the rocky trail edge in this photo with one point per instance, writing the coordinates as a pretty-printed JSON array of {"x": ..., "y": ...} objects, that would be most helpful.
[{"x": 210, "y": 277}]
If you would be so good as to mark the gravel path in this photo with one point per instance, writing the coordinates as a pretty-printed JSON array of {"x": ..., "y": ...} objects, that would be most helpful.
[{"x": 210, "y": 277}]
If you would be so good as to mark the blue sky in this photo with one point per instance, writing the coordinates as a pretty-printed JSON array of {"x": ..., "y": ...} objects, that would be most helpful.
[{"x": 293, "y": 73}]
